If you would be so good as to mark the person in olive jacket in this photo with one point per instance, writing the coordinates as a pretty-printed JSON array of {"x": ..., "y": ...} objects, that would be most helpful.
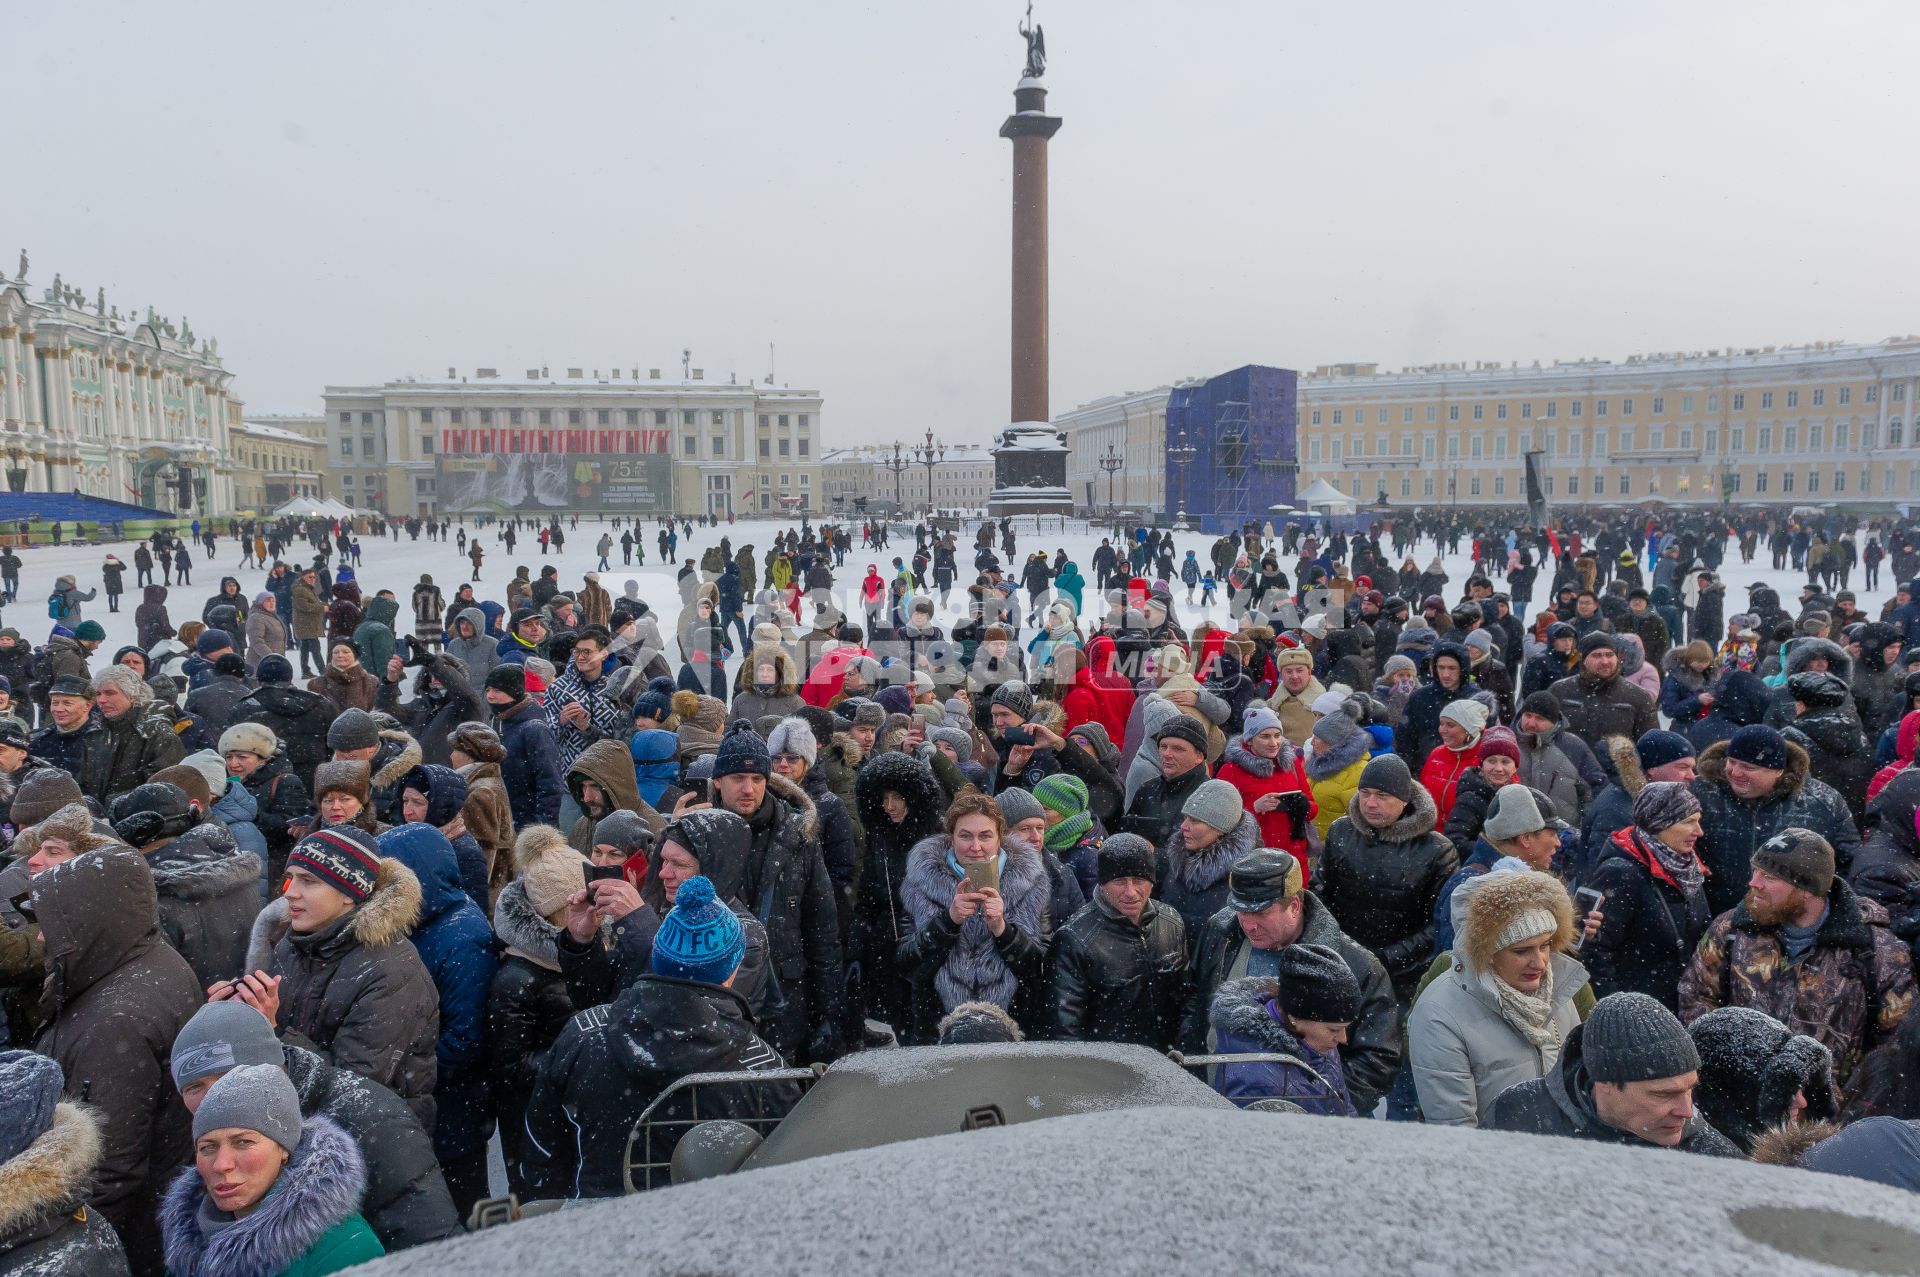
[
  {"x": 333, "y": 969},
  {"x": 1120, "y": 963},
  {"x": 1383, "y": 869}
]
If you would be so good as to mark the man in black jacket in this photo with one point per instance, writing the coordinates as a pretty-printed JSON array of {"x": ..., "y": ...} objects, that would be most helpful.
[
  {"x": 1120, "y": 963},
  {"x": 1267, "y": 910},
  {"x": 75, "y": 739},
  {"x": 612, "y": 1061},
  {"x": 406, "y": 1200},
  {"x": 1156, "y": 806},
  {"x": 1626, "y": 1076}
]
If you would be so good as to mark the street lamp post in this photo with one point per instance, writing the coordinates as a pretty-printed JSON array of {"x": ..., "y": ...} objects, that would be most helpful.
[
  {"x": 1111, "y": 461},
  {"x": 896, "y": 463},
  {"x": 930, "y": 454},
  {"x": 1182, "y": 455}
]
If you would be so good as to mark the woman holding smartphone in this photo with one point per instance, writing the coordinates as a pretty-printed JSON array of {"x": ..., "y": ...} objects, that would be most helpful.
[
  {"x": 1653, "y": 903},
  {"x": 977, "y": 899}
]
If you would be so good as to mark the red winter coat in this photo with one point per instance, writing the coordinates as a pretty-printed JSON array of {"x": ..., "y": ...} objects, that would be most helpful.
[
  {"x": 1441, "y": 773},
  {"x": 1906, "y": 741},
  {"x": 1099, "y": 694},
  {"x": 1285, "y": 774}
]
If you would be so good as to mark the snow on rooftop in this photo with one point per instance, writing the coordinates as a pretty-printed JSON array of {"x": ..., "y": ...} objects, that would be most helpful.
[
  {"x": 1160, "y": 1192},
  {"x": 257, "y": 430}
]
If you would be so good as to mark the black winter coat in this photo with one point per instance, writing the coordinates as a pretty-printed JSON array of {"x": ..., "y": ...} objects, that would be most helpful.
[
  {"x": 882, "y": 921},
  {"x": 610, "y": 1062},
  {"x": 431, "y": 716},
  {"x": 209, "y": 894},
  {"x": 526, "y": 1009},
  {"x": 281, "y": 799},
  {"x": 1372, "y": 1051},
  {"x": 787, "y": 887},
  {"x": 119, "y": 996},
  {"x": 1154, "y": 813},
  {"x": 1887, "y": 869},
  {"x": 1381, "y": 884},
  {"x": 85, "y": 754},
  {"x": 1561, "y": 1103},
  {"x": 531, "y": 770},
  {"x": 298, "y": 717},
  {"x": 1648, "y": 929},
  {"x": 1471, "y": 798},
  {"x": 1841, "y": 755},
  {"x": 406, "y": 1201},
  {"x": 1117, "y": 980},
  {"x": 1736, "y": 826},
  {"x": 143, "y": 742},
  {"x": 1597, "y": 708},
  {"x": 214, "y": 702},
  {"x": 355, "y": 992},
  {"x": 1194, "y": 883}
]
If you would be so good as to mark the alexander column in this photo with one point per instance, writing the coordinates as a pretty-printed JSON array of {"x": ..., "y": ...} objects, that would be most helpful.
[{"x": 1030, "y": 458}]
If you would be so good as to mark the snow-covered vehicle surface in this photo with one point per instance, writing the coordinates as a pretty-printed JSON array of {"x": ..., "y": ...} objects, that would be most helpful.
[{"x": 1148, "y": 1172}]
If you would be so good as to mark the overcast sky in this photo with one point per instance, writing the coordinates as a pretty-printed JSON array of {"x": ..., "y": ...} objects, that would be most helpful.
[{"x": 349, "y": 193}]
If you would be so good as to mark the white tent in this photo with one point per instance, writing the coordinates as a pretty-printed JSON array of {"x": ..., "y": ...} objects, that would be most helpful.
[
  {"x": 315, "y": 508},
  {"x": 1321, "y": 494}
]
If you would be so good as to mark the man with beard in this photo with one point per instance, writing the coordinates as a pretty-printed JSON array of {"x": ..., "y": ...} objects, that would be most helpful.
[{"x": 1805, "y": 950}]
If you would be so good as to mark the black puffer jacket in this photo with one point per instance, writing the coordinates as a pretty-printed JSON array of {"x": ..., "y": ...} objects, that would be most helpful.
[
  {"x": 209, "y": 894},
  {"x": 143, "y": 742},
  {"x": 1596, "y": 708},
  {"x": 214, "y": 701},
  {"x": 281, "y": 799},
  {"x": 1117, "y": 980},
  {"x": 1887, "y": 869},
  {"x": 526, "y": 1009},
  {"x": 1649, "y": 928},
  {"x": 610, "y": 1062},
  {"x": 355, "y": 992},
  {"x": 1371, "y": 1053},
  {"x": 837, "y": 847},
  {"x": 85, "y": 754},
  {"x": 1154, "y": 813},
  {"x": 1381, "y": 884},
  {"x": 1734, "y": 827},
  {"x": 789, "y": 890},
  {"x": 298, "y": 717},
  {"x": 1840, "y": 753},
  {"x": 45, "y": 1228},
  {"x": 119, "y": 996},
  {"x": 882, "y": 922},
  {"x": 406, "y": 1201}
]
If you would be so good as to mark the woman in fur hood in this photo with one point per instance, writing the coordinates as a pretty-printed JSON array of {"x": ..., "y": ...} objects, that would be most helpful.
[
  {"x": 986, "y": 944},
  {"x": 270, "y": 1193},
  {"x": 1499, "y": 1013}
]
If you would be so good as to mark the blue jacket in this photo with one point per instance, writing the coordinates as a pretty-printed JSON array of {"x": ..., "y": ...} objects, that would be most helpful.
[
  {"x": 730, "y": 590},
  {"x": 446, "y": 793},
  {"x": 1482, "y": 859},
  {"x": 531, "y": 772},
  {"x": 236, "y": 809},
  {"x": 1245, "y": 1021},
  {"x": 455, "y": 944}
]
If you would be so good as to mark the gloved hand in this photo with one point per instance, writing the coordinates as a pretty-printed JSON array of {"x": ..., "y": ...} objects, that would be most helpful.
[
  {"x": 824, "y": 1046},
  {"x": 1294, "y": 803}
]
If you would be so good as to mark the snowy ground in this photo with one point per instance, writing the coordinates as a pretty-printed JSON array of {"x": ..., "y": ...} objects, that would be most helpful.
[{"x": 386, "y": 564}]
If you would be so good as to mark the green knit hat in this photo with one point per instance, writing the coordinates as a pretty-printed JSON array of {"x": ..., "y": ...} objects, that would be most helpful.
[{"x": 1062, "y": 793}]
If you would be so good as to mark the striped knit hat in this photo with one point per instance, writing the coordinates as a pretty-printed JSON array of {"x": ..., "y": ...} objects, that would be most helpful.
[
  {"x": 344, "y": 857},
  {"x": 1067, "y": 797}
]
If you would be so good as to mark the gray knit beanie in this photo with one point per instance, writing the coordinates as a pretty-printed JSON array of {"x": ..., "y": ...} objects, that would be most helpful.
[
  {"x": 253, "y": 1097},
  {"x": 1018, "y": 805},
  {"x": 354, "y": 729},
  {"x": 30, "y": 1086},
  {"x": 1216, "y": 803},
  {"x": 623, "y": 829},
  {"x": 1630, "y": 1037},
  {"x": 1334, "y": 728},
  {"x": 221, "y": 1037}
]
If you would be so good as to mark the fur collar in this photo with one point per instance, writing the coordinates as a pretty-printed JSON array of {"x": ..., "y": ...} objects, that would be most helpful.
[
  {"x": 203, "y": 864},
  {"x": 1342, "y": 756},
  {"x": 1786, "y": 1145},
  {"x": 405, "y": 761},
  {"x": 1240, "y": 1008},
  {"x": 1626, "y": 764},
  {"x": 1712, "y": 768},
  {"x": 1200, "y": 870},
  {"x": 1680, "y": 672},
  {"x": 795, "y": 797},
  {"x": 847, "y": 750},
  {"x": 973, "y": 969},
  {"x": 1247, "y": 761},
  {"x": 384, "y": 918},
  {"x": 1417, "y": 821},
  {"x": 53, "y": 1175},
  {"x": 320, "y": 1186},
  {"x": 523, "y": 931}
]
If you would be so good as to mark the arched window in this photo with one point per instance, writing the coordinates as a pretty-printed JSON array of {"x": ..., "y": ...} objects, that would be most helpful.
[{"x": 1895, "y": 436}]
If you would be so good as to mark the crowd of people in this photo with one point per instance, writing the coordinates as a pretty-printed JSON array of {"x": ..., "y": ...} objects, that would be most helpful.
[{"x": 283, "y": 952}]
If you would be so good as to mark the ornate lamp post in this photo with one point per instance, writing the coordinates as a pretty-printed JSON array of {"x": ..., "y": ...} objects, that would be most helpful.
[
  {"x": 929, "y": 454},
  {"x": 1111, "y": 461},
  {"x": 896, "y": 463},
  {"x": 1182, "y": 455}
]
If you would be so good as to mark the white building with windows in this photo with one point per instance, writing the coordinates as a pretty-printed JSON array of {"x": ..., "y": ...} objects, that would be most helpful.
[
  {"x": 111, "y": 406},
  {"x": 591, "y": 438},
  {"x": 961, "y": 476},
  {"x": 1821, "y": 423}
]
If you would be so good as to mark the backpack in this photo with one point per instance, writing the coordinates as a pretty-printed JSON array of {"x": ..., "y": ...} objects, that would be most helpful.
[{"x": 57, "y": 605}]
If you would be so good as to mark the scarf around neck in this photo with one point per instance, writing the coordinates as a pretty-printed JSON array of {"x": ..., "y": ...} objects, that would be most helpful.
[
  {"x": 1069, "y": 831},
  {"x": 1530, "y": 1014},
  {"x": 1683, "y": 867}
]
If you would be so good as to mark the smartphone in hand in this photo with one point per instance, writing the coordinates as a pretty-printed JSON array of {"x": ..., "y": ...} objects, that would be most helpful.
[{"x": 982, "y": 874}]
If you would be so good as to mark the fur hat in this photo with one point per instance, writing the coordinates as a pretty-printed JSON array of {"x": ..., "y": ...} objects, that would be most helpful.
[
  {"x": 1751, "y": 1067},
  {"x": 1508, "y": 906},
  {"x": 977, "y": 1023},
  {"x": 1317, "y": 984},
  {"x": 794, "y": 736},
  {"x": 350, "y": 776},
  {"x": 478, "y": 742}
]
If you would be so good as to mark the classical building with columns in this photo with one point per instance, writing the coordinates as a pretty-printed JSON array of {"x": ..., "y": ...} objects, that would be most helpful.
[
  {"x": 1821, "y": 423},
  {"x": 122, "y": 408}
]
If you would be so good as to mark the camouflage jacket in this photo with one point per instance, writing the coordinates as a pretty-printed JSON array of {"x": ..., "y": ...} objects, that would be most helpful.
[{"x": 1850, "y": 991}]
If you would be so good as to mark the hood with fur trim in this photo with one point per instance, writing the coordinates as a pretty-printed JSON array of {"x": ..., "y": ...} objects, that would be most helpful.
[
  {"x": 384, "y": 918},
  {"x": 1200, "y": 870},
  {"x": 1786, "y": 1145},
  {"x": 405, "y": 758},
  {"x": 1712, "y": 768},
  {"x": 1626, "y": 764},
  {"x": 53, "y": 1176},
  {"x": 320, "y": 1186},
  {"x": 1802, "y": 650},
  {"x": 1497, "y": 899},
  {"x": 786, "y": 671},
  {"x": 795, "y": 797},
  {"x": 521, "y": 930}
]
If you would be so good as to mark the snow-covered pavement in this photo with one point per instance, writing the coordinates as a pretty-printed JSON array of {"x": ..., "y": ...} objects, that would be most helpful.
[{"x": 397, "y": 566}]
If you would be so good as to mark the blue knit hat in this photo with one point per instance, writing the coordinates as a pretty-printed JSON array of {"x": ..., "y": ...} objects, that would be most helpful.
[
  {"x": 700, "y": 938},
  {"x": 741, "y": 752}
]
